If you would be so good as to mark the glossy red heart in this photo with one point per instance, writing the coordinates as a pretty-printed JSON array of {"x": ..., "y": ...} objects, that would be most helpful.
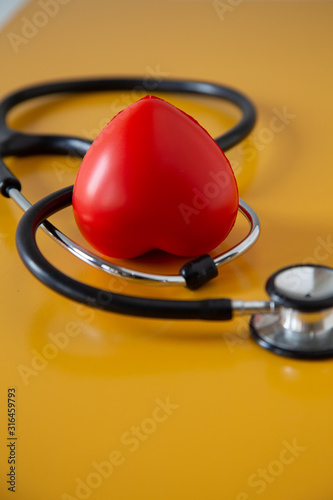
[{"x": 154, "y": 178}]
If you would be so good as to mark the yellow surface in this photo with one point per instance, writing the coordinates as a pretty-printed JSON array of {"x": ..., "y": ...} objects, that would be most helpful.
[{"x": 236, "y": 409}]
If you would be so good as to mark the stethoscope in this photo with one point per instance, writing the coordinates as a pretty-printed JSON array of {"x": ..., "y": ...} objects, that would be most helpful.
[{"x": 297, "y": 321}]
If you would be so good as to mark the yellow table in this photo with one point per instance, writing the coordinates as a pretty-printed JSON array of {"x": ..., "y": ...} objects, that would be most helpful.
[{"x": 124, "y": 408}]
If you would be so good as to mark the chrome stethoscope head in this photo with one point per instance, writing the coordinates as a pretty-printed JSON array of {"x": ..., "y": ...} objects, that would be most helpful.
[{"x": 302, "y": 326}]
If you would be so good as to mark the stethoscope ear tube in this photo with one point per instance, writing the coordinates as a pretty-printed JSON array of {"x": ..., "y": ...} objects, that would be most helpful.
[
  {"x": 41, "y": 268},
  {"x": 15, "y": 143}
]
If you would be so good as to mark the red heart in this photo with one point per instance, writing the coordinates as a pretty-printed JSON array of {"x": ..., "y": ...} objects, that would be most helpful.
[{"x": 154, "y": 178}]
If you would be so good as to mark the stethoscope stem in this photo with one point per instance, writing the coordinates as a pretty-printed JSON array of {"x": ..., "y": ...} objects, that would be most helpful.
[
  {"x": 243, "y": 307},
  {"x": 19, "y": 199}
]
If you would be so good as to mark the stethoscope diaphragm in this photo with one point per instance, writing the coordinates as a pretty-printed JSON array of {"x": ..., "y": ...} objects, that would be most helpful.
[{"x": 303, "y": 325}]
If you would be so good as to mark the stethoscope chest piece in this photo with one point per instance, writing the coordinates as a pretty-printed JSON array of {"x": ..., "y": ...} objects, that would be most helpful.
[{"x": 302, "y": 327}]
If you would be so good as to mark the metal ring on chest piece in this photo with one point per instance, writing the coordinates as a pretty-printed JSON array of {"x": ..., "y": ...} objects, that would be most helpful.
[{"x": 303, "y": 327}]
